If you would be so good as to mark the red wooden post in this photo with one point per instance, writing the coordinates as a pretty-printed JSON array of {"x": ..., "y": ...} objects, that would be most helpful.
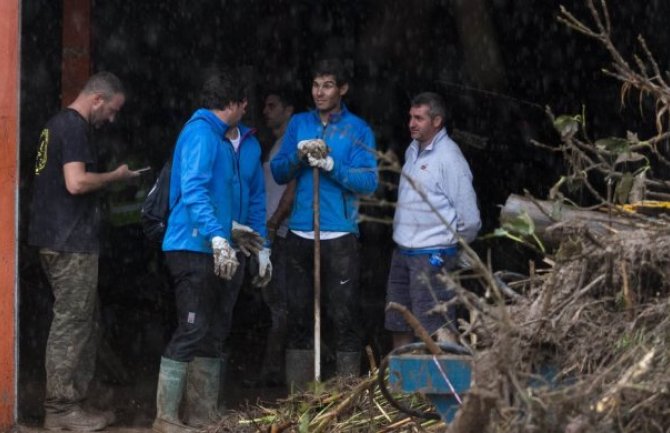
[
  {"x": 9, "y": 117},
  {"x": 76, "y": 67}
]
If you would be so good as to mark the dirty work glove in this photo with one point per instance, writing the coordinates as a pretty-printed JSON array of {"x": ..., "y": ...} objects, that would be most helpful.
[
  {"x": 326, "y": 163},
  {"x": 246, "y": 239},
  {"x": 316, "y": 148},
  {"x": 264, "y": 269},
  {"x": 225, "y": 262}
]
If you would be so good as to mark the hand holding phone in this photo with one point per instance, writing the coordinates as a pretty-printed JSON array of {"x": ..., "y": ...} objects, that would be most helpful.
[{"x": 142, "y": 170}]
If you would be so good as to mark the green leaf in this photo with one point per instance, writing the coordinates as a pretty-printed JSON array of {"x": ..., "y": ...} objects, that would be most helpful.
[
  {"x": 500, "y": 232},
  {"x": 622, "y": 190},
  {"x": 303, "y": 427},
  {"x": 521, "y": 224},
  {"x": 632, "y": 137},
  {"x": 567, "y": 125},
  {"x": 614, "y": 145}
]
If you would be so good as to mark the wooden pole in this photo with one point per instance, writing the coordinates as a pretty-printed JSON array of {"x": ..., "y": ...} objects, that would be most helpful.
[
  {"x": 317, "y": 276},
  {"x": 76, "y": 62},
  {"x": 9, "y": 143}
]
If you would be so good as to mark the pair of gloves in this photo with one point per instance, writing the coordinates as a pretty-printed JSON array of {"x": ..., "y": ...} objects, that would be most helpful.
[
  {"x": 316, "y": 153},
  {"x": 249, "y": 242}
]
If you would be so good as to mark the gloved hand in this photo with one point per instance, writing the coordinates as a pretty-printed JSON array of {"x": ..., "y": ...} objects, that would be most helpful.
[
  {"x": 316, "y": 148},
  {"x": 225, "y": 262},
  {"x": 264, "y": 269},
  {"x": 246, "y": 239},
  {"x": 325, "y": 164}
]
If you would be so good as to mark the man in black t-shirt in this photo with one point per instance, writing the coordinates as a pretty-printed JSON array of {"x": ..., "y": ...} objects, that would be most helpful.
[{"x": 64, "y": 224}]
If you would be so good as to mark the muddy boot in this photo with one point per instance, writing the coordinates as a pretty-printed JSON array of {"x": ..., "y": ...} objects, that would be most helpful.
[
  {"x": 202, "y": 392},
  {"x": 348, "y": 364},
  {"x": 299, "y": 369},
  {"x": 108, "y": 415},
  {"x": 171, "y": 382},
  {"x": 75, "y": 419},
  {"x": 222, "y": 383}
]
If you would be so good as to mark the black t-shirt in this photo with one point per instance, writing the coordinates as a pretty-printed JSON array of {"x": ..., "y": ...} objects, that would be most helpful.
[{"x": 59, "y": 220}]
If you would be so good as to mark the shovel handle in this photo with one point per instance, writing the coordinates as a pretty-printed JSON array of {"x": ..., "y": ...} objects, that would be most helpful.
[{"x": 317, "y": 275}]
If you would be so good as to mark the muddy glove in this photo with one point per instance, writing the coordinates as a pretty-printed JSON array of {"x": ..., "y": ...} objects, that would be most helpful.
[
  {"x": 264, "y": 269},
  {"x": 316, "y": 148},
  {"x": 246, "y": 239},
  {"x": 225, "y": 262},
  {"x": 325, "y": 164}
]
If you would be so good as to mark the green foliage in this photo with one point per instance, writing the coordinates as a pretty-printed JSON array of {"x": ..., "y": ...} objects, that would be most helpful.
[
  {"x": 629, "y": 340},
  {"x": 623, "y": 188},
  {"x": 519, "y": 229},
  {"x": 303, "y": 422},
  {"x": 614, "y": 145},
  {"x": 567, "y": 125}
]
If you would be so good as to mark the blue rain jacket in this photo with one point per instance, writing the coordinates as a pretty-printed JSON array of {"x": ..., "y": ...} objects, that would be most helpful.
[
  {"x": 201, "y": 185},
  {"x": 249, "y": 185},
  {"x": 352, "y": 147}
]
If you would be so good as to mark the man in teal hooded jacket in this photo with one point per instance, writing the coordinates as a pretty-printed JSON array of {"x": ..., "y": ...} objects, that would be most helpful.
[{"x": 199, "y": 255}]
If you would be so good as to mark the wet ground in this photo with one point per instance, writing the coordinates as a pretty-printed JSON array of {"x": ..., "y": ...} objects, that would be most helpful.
[
  {"x": 126, "y": 382},
  {"x": 134, "y": 405},
  {"x": 137, "y": 316}
]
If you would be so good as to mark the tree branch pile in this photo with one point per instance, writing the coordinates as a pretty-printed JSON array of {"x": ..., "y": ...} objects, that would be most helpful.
[{"x": 587, "y": 348}]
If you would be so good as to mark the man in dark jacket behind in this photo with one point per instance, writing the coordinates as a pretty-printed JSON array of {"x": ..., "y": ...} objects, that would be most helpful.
[{"x": 199, "y": 255}]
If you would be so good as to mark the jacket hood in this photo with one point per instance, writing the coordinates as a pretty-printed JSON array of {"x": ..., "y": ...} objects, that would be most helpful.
[{"x": 218, "y": 125}]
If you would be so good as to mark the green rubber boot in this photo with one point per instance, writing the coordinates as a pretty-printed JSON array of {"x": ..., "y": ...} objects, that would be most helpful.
[
  {"x": 169, "y": 393},
  {"x": 202, "y": 392}
]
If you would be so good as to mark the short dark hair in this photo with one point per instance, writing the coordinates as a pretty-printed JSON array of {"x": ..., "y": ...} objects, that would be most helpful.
[
  {"x": 332, "y": 67},
  {"x": 104, "y": 82},
  {"x": 435, "y": 103},
  {"x": 286, "y": 95},
  {"x": 221, "y": 88}
]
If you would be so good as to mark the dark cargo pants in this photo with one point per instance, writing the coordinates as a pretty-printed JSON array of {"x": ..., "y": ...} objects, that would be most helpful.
[{"x": 75, "y": 328}]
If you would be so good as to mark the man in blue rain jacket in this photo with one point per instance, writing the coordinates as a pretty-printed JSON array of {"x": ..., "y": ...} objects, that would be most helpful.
[
  {"x": 199, "y": 255},
  {"x": 342, "y": 146}
]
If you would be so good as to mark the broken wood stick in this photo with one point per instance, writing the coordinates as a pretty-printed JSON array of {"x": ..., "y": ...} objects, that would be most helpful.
[{"x": 419, "y": 330}]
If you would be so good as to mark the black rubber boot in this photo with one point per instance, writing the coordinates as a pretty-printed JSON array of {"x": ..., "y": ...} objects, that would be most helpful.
[
  {"x": 348, "y": 364},
  {"x": 299, "y": 369}
]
